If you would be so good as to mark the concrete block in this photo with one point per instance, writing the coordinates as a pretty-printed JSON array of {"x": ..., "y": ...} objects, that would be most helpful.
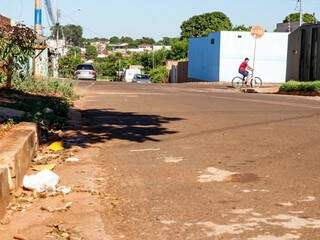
[
  {"x": 17, "y": 150},
  {"x": 4, "y": 190}
]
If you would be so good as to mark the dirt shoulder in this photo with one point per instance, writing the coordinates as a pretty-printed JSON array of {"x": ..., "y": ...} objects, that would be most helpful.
[{"x": 76, "y": 215}]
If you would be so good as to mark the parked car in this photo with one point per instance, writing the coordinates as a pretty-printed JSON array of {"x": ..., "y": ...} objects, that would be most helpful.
[
  {"x": 129, "y": 74},
  {"x": 86, "y": 72},
  {"x": 141, "y": 78}
]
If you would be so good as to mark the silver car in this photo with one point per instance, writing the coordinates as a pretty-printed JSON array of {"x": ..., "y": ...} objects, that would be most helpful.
[
  {"x": 141, "y": 78},
  {"x": 85, "y": 72}
]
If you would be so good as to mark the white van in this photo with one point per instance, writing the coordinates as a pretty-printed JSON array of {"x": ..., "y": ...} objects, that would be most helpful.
[{"x": 130, "y": 73}]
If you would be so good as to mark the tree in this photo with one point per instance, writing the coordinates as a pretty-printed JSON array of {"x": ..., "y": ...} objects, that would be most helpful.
[
  {"x": 150, "y": 60},
  {"x": 110, "y": 66},
  {"x": 159, "y": 75},
  {"x": 179, "y": 49},
  {"x": 146, "y": 40},
  {"x": 130, "y": 41},
  {"x": 114, "y": 40},
  {"x": 68, "y": 64},
  {"x": 165, "y": 41},
  {"x": 295, "y": 17},
  {"x": 72, "y": 33},
  {"x": 16, "y": 48},
  {"x": 241, "y": 28},
  {"x": 202, "y": 25},
  {"x": 126, "y": 40},
  {"x": 91, "y": 52},
  {"x": 75, "y": 51}
]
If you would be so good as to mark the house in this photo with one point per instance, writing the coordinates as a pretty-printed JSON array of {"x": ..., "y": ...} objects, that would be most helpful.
[
  {"x": 121, "y": 47},
  {"x": 287, "y": 27},
  {"x": 304, "y": 54},
  {"x": 217, "y": 57},
  {"x": 4, "y": 21},
  {"x": 146, "y": 47},
  {"x": 101, "y": 47}
]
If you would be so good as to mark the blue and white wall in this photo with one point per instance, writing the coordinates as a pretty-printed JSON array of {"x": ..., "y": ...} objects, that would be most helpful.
[
  {"x": 218, "y": 56},
  {"x": 271, "y": 55},
  {"x": 204, "y": 57}
]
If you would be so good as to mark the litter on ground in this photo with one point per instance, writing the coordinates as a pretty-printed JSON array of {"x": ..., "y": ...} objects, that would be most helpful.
[
  {"x": 44, "y": 167},
  {"x": 72, "y": 159},
  {"x": 44, "y": 181},
  {"x": 65, "y": 190},
  {"x": 56, "y": 146}
]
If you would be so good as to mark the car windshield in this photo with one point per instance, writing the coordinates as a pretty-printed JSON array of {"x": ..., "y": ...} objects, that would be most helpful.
[
  {"x": 85, "y": 67},
  {"x": 139, "y": 76}
]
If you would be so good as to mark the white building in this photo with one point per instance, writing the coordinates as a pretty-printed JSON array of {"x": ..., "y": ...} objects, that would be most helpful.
[{"x": 218, "y": 56}]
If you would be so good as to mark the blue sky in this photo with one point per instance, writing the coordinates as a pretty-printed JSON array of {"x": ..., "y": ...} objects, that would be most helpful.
[{"x": 152, "y": 18}]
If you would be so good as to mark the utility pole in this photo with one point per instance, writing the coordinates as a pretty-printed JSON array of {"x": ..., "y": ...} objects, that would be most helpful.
[
  {"x": 300, "y": 11},
  {"x": 57, "y": 54},
  {"x": 36, "y": 63},
  {"x": 38, "y": 17}
]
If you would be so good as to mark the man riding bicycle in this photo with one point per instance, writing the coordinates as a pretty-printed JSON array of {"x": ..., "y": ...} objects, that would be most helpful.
[{"x": 244, "y": 67}]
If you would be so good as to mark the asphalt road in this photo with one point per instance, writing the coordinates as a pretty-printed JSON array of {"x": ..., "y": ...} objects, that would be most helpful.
[{"x": 199, "y": 162}]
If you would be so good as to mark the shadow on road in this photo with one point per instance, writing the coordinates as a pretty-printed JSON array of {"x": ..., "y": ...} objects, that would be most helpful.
[{"x": 104, "y": 125}]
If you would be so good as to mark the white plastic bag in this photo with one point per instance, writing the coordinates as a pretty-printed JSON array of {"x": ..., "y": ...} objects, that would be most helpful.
[{"x": 43, "y": 181}]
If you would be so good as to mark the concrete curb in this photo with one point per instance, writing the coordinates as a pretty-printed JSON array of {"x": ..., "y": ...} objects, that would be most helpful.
[{"x": 17, "y": 148}]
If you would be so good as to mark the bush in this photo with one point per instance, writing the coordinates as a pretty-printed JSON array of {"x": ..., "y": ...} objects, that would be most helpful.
[
  {"x": 58, "y": 87},
  {"x": 159, "y": 75},
  {"x": 68, "y": 64},
  {"x": 303, "y": 87}
]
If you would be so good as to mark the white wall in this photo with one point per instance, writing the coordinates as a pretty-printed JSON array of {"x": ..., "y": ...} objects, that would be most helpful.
[
  {"x": 271, "y": 55},
  {"x": 204, "y": 58}
]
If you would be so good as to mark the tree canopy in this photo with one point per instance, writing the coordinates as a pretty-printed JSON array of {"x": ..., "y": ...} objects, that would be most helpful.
[
  {"x": 72, "y": 33},
  {"x": 202, "y": 25},
  {"x": 179, "y": 49},
  {"x": 295, "y": 17},
  {"x": 241, "y": 28},
  {"x": 91, "y": 52}
]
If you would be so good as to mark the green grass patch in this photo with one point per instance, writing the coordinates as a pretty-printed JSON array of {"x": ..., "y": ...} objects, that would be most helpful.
[
  {"x": 48, "y": 87},
  {"x": 45, "y": 102},
  {"x": 301, "y": 87}
]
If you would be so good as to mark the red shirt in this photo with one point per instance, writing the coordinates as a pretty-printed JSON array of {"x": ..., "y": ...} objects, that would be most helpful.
[{"x": 243, "y": 66}]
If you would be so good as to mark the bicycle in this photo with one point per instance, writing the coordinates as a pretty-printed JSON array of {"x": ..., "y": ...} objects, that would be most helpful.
[{"x": 255, "y": 82}]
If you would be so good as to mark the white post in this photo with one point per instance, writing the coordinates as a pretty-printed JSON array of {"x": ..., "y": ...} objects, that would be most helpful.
[
  {"x": 301, "y": 13},
  {"x": 254, "y": 54}
]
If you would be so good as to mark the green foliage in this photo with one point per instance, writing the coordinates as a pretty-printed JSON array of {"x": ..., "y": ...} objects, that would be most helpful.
[
  {"x": 303, "y": 87},
  {"x": 45, "y": 102},
  {"x": 241, "y": 28},
  {"x": 295, "y": 17},
  {"x": 58, "y": 87},
  {"x": 72, "y": 33},
  {"x": 179, "y": 49},
  {"x": 132, "y": 43},
  {"x": 202, "y": 25},
  {"x": 159, "y": 75},
  {"x": 91, "y": 52},
  {"x": 150, "y": 60},
  {"x": 75, "y": 51},
  {"x": 16, "y": 47},
  {"x": 110, "y": 66},
  {"x": 68, "y": 64},
  {"x": 166, "y": 41},
  {"x": 114, "y": 40},
  {"x": 146, "y": 40}
]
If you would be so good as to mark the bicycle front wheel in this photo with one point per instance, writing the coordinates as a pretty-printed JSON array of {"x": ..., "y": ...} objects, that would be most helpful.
[
  {"x": 237, "y": 82},
  {"x": 256, "y": 82}
]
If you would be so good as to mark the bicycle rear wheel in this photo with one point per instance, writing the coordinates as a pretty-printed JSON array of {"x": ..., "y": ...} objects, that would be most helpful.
[
  {"x": 237, "y": 82},
  {"x": 256, "y": 82}
]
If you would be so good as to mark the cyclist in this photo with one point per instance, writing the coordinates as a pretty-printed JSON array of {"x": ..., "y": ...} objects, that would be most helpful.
[{"x": 244, "y": 67}]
